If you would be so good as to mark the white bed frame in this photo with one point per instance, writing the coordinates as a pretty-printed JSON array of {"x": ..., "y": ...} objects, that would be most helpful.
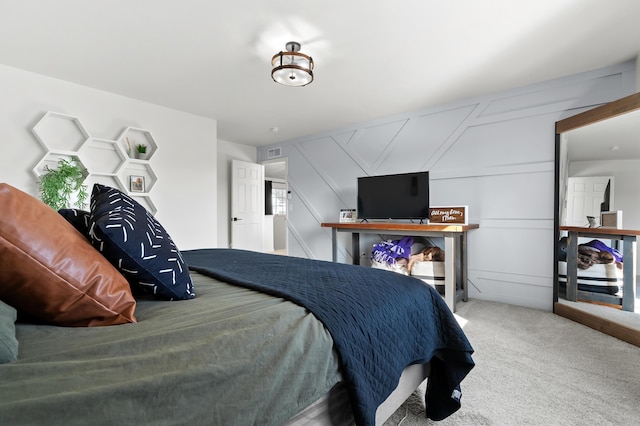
[{"x": 334, "y": 409}]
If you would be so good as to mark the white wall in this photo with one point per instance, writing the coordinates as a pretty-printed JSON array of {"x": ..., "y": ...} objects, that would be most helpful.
[
  {"x": 494, "y": 153},
  {"x": 227, "y": 152},
  {"x": 185, "y": 163}
]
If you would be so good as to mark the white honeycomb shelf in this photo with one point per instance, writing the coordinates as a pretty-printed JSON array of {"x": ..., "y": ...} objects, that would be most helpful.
[
  {"x": 60, "y": 132},
  {"x": 102, "y": 156},
  {"x": 131, "y": 137},
  {"x": 108, "y": 162}
]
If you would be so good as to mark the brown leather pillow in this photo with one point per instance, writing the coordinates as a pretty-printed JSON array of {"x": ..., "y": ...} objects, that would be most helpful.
[{"x": 50, "y": 271}]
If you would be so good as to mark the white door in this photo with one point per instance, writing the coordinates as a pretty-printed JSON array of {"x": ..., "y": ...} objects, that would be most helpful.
[
  {"x": 276, "y": 170},
  {"x": 584, "y": 195},
  {"x": 247, "y": 205}
]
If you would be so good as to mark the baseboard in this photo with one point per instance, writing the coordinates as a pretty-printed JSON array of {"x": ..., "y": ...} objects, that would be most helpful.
[{"x": 604, "y": 325}]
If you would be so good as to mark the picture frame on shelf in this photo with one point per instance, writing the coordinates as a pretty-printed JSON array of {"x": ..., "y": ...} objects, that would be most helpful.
[{"x": 136, "y": 183}]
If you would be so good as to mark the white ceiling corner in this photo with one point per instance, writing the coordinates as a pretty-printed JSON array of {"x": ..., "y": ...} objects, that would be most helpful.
[{"x": 374, "y": 58}]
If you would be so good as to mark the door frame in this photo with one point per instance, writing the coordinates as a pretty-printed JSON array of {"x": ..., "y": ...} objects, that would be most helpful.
[{"x": 282, "y": 176}]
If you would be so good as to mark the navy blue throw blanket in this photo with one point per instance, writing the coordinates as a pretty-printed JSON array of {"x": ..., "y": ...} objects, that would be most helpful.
[{"x": 380, "y": 322}]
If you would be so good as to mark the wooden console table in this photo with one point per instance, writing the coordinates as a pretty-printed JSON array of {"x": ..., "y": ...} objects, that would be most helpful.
[
  {"x": 628, "y": 237},
  {"x": 455, "y": 247}
]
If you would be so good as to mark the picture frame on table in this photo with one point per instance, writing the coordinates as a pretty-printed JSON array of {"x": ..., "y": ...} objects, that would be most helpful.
[{"x": 347, "y": 215}]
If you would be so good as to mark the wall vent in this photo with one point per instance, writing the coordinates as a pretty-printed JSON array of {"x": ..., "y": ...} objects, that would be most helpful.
[{"x": 274, "y": 153}]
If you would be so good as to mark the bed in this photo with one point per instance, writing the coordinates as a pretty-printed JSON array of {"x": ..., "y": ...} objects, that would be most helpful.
[{"x": 103, "y": 336}]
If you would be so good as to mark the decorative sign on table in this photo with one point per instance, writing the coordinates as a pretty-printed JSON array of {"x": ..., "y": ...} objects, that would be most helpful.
[{"x": 449, "y": 215}]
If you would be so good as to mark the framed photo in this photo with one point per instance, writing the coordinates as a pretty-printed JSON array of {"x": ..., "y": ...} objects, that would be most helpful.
[
  {"x": 347, "y": 215},
  {"x": 136, "y": 183}
]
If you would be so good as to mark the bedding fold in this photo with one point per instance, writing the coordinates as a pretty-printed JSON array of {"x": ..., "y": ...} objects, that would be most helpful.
[{"x": 380, "y": 321}]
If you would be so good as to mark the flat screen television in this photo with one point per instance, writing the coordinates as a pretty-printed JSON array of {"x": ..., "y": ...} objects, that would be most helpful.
[
  {"x": 398, "y": 196},
  {"x": 604, "y": 206}
]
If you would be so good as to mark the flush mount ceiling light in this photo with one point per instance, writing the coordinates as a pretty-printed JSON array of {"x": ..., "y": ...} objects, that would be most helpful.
[{"x": 292, "y": 68}]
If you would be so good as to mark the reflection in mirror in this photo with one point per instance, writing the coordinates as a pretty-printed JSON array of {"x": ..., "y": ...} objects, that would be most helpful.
[
  {"x": 586, "y": 197},
  {"x": 597, "y": 178}
]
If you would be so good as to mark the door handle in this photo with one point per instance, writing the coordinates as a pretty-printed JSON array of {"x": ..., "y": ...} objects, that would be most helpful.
[{"x": 235, "y": 219}]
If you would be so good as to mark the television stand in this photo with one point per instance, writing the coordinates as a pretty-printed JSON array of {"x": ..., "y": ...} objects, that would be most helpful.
[
  {"x": 628, "y": 238},
  {"x": 455, "y": 247}
]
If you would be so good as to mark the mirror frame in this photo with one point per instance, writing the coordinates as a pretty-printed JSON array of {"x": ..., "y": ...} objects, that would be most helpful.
[{"x": 612, "y": 109}]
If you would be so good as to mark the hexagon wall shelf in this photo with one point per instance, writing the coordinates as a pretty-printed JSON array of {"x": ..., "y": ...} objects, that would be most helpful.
[
  {"x": 51, "y": 160},
  {"x": 146, "y": 203},
  {"x": 108, "y": 162},
  {"x": 60, "y": 132},
  {"x": 137, "y": 168},
  {"x": 131, "y": 137},
  {"x": 108, "y": 180},
  {"x": 102, "y": 156}
]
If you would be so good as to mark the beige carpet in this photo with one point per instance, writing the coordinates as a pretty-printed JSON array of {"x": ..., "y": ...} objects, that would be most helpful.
[{"x": 537, "y": 368}]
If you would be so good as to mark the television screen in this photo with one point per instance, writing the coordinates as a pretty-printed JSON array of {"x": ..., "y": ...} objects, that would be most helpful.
[
  {"x": 399, "y": 196},
  {"x": 604, "y": 206}
]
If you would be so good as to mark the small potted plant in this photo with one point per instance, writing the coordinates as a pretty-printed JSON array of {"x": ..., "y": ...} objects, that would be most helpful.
[
  {"x": 141, "y": 151},
  {"x": 63, "y": 187}
]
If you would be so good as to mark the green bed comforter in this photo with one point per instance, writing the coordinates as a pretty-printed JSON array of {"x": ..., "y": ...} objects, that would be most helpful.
[{"x": 231, "y": 356}]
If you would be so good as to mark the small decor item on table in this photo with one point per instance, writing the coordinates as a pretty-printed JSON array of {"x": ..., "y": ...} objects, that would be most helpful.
[
  {"x": 457, "y": 215},
  {"x": 347, "y": 215}
]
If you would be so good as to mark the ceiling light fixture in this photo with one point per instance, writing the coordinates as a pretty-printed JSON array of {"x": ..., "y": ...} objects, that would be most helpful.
[{"x": 292, "y": 68}]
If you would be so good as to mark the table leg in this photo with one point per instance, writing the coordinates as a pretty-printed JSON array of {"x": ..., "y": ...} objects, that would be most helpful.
[
  {"x": 629, "y": 273},
  {"x": 464, "y": 272},
  {"x": 355, "y": 247},
  {"x": 334, "y": 244},
  {"x": 572, "y": 267},
  {"x": 450, "y": 271}
]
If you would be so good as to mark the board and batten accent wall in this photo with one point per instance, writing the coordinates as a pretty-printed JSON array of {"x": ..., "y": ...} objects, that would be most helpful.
[{"x": 493, "y": 153}]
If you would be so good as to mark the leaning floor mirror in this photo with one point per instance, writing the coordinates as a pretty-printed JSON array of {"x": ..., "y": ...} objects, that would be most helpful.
[{"x": 597, "y": 218}]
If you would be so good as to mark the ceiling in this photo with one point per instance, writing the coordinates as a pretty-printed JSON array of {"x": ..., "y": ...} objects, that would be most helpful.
[
  {"x": 374, "y": 58},
  {"x": 616, "y": 138}
]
